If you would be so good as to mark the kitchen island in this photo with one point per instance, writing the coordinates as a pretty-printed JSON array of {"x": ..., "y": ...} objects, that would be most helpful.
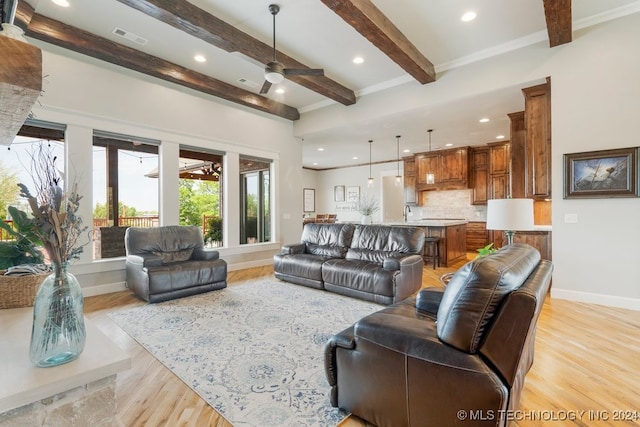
[{"x": 452, "y": 234}]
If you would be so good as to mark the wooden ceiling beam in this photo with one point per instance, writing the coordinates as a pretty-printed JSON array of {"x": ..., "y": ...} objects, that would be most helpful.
[
  {"x": 558, "y": 16},
  {"x": 369, "y": 21},
  {"x": 77, "y": 40},
  {"x": 196, "y": 22}
]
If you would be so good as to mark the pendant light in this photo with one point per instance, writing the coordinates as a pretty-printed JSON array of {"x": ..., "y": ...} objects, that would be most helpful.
[
  {"x": 370, "y": 180},
  {"x": 398, "y": 177},
  {"x": 431, "y": 177}
]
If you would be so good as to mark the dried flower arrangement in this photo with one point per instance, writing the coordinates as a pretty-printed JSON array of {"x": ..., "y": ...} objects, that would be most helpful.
[
  {"x": 55, "y": 215},
  {"x": 368, "y": 205}
]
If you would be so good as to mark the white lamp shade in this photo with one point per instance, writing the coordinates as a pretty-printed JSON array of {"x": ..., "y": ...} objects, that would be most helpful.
[{"x": 510, "y": 214}]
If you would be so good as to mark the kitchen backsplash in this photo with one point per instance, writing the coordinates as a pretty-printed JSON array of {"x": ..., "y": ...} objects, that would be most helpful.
[{"x": 449, "y": 204}]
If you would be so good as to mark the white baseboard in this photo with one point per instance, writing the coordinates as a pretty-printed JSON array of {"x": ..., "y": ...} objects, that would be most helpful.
[
  {"x": 92, "y": 291},
  {"x": 249, "y": 264},
  {"x": 591, "y": 298}
]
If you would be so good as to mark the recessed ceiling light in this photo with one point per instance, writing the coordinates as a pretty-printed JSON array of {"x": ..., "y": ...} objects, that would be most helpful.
[
  {"x": 200, "y": 58},
  {"x": 406, "y": 150},
  {"x": 448, "y": 145},
  {"x": 500, "y": 137},
  {"x": 354, "y": 158},
  {"x": 280, "y": 90},
  {"x": 484, "y": 120},
  {"x": 358, "y": 60},
  {"x": 63, "y": 3},
  {"x": 468, "y": 16},
  {"x": 315, "y": 163},
  {"x": 320, "y": 149}
]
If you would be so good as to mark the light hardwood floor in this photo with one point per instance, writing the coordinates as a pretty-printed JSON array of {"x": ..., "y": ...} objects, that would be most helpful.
[{"x": 587, "y": 359}]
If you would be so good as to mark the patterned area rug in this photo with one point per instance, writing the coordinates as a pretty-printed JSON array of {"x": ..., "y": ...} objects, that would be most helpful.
[{"x": 254, "y": 352}]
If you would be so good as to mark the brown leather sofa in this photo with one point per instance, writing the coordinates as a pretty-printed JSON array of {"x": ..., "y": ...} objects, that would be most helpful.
[
  {"x": 371, "y": 262},
  {"x": 452, "y": 357}
]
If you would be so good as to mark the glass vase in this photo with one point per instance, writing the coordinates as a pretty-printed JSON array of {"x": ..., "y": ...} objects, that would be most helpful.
[{"x": 58, "y": 333}]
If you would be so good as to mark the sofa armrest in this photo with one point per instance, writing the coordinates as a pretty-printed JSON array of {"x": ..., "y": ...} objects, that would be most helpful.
[
  {"x": 292, "y": 249},
  {"x": 428, "y": 300},
  {"x": 398, "y": 261},
  {"x": 344, "y": 340},
  {"x": 204, "y": 254},
  {"x": 145, "y": 260}
]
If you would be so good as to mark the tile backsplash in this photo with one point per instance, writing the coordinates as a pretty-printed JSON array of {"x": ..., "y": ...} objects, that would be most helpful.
[{"x": 449, "y": 204}]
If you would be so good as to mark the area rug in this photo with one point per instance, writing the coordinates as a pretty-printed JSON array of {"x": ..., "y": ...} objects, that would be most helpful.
[{"x": 254, "y": 352}]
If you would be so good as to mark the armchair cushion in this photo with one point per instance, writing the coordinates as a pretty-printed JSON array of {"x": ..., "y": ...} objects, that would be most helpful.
[{"x": 476, "y": 291}]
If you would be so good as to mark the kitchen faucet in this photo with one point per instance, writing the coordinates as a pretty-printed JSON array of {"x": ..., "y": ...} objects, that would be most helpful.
[{"x": 407, "y": 209}]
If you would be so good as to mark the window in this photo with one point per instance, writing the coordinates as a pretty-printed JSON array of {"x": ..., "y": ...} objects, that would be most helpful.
[
  {"x": 200, "y": 189},
  {"x": 255, "y": 200},
  {"x": 125, "y": 190}
]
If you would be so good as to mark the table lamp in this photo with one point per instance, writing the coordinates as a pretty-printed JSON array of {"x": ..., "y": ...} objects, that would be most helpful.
[{"x": 510, "y": 215}]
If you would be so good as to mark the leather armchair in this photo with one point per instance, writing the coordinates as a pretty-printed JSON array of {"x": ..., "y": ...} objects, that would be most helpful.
[
  {"x": 465, "y": 348},
  {"x": 170, "y": 262}
]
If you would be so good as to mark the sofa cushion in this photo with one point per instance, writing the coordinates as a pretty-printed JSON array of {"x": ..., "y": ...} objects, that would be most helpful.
[
  {"x": 329, "y": 240},
  {"x": 158, "y": 240},
  {"x": 362, "y": 276},
  {"x": 375, "y": 243},
  {"x": 175, "y": 256},
  {"x": 476, "y": 291},
  {"x": 307, "y": 266}
]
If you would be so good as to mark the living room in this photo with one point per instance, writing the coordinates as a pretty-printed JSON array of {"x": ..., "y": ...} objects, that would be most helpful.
[{"x": 594, "y": 107}]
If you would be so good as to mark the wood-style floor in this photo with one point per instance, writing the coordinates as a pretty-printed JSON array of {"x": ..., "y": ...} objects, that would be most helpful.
[{"x": 587, "y": 367}]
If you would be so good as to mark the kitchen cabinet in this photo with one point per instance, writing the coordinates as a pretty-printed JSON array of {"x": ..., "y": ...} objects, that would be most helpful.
[
  {"x": 410, "y": 191},
  {"x": 479, "y": 175},
  {"x": 541, "y": 240},
  {"x": 453, "y": 243},
  {"x": 537, "y": 123},
  {"x": 477, "y": 235},
  {"x": 517, "y": 155},
  {"x": 499, "y": 161},
  {"x": 450, "y": 168}
]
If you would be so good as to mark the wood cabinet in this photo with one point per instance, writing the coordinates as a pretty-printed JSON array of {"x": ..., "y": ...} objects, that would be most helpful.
[
  {"x": 450, "y": 168},
  {"x": 541, "y": 240},
  {"x": 537, "y": 123},
  {"x": 479, "y": 175},
  {"x": 453, "y": 243},
  {"x": 410, "y": 191},
  {"x": 517, "y": 155},
  {"x": 477, "y": 235}
]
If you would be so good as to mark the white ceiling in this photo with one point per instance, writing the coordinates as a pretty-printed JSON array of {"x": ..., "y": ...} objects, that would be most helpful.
[{"x": 313, "y": 34}]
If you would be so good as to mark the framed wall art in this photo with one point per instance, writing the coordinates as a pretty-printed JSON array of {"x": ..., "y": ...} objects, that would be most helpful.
[
  {"x": 353, "y": 194},
  {"x": 599, "y": 174},
  {"x": 309, "y": 199},
  {"x": 338, "y": 193}
]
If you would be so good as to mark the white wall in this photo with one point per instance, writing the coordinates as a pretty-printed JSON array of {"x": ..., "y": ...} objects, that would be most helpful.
[
  {"x": 87, "y": 94},
  {"x": 595, "y": 104}
]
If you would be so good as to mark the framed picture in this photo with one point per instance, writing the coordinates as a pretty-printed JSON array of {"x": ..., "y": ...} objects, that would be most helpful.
[
  {"x": 353, "y": 194},
  {"x": 309, "y": 199},
  {"x": 338, "y": 193},
  {"x": 598, "y": 174}
]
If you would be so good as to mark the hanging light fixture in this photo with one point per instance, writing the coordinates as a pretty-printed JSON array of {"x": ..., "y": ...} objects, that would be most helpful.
[
  {"x": 370, "y": 180},
  {"x": 398, "y": 177},
  {"x": 431, "y": 177}
]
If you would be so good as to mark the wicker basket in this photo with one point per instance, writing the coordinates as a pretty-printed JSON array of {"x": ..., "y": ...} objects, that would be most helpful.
[{"x": 19, "y": 291}]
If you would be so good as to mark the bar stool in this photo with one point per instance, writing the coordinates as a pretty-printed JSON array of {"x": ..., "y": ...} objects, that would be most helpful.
[{"x": 432, "y": 250}]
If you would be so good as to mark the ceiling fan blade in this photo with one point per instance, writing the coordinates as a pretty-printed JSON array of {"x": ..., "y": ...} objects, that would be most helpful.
[
  {"x": 265, "y": 87},
  {"x": 304, "y": 72}
]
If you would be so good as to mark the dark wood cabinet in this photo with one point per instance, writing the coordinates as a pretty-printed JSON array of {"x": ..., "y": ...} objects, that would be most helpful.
[
  {"x": 499, "y": 186},
  {"x": 479, "y": 175},
  {"x": 541, "y": 240},
  {"x": 477, "y": 235},
  {"x": 410, "y": 191},
  {"x": 518, "y": 170},
  {"x": 450, "y": 168},
  {"x": 537, "y": 123},
  {"x": 453, "y": 243}
]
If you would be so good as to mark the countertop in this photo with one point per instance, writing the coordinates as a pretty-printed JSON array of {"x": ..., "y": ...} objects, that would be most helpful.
[{"x": 429, "y": 222}]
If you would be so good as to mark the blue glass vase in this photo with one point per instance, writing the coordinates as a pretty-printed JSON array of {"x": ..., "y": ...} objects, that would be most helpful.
[{"x": 58, "y": 332}]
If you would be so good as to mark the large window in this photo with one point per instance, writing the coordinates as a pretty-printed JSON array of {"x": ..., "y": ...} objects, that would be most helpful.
[
  {"x": 200, "y": 175},
  {"x": 255, "y": 200},
  {"x": 125, "y": 190}
]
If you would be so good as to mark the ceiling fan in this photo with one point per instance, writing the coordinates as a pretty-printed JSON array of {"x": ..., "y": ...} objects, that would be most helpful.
[{"x": 274, "y": 71}]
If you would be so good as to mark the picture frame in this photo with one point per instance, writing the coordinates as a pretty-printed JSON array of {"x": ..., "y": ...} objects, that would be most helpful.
[
  {"x": 353, "y": 194},
  {"x": 309, "y": 199},
  {"x": 601, "y": 174},
  {"x": 338, "y": 193}
]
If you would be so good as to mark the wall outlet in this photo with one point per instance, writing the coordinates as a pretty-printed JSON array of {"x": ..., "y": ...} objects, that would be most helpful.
[{"x": 570, "y": 218}]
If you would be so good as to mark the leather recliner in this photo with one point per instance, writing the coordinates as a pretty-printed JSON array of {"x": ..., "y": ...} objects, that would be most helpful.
[
  {"x": 452, "y": 357},
  {"x": 170, "y": 262}
]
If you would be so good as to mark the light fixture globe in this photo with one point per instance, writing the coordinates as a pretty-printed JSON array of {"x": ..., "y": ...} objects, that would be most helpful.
[{"x": 274, "y": 72}]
